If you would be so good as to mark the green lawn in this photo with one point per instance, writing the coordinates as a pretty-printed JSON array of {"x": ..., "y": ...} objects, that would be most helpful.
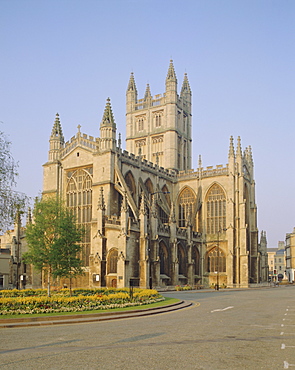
[{"x": 166, "y": 302}]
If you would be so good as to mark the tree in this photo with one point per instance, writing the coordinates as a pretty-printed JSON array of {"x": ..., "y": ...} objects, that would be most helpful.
[
  {"x": 10, "y": 200},
  {"x": 53, "y": 240},
  {"x": 67, "y": 264}
]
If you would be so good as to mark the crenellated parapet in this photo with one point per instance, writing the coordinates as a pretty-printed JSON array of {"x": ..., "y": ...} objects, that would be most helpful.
[
  {"x": 82, "y": 140},
  {"x": 137, "y": 161},
  {"x": 209, "y": 171}
]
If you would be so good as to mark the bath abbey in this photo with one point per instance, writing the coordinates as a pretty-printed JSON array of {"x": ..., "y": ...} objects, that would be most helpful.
[{"x": 150, "y": 219}]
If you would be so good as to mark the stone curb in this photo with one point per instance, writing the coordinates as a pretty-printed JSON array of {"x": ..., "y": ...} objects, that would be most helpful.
[{"x": 80, "y": 318}]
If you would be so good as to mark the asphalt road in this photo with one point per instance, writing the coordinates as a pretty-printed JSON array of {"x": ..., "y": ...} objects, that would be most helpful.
[{"x": 250, "y": 329}]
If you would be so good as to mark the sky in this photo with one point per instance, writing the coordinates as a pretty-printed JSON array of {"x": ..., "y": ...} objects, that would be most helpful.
[{"x": 69, "y": 56}]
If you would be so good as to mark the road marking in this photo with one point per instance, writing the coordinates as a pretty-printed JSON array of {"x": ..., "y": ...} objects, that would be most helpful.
[
  {"x": 264, "y": 326},
  {"x": 283, "y": 346},
  {"x": 222, "y": 309},
  {"x": 282, "y": 333},
  {"x": 286, "y": 365}
]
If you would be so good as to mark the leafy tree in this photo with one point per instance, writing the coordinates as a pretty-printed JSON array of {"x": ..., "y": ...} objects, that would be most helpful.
[
  {"x": 10, "y": 200},
  {"x": 67, "y": 264},
  {"x": 53, "y": 240}
]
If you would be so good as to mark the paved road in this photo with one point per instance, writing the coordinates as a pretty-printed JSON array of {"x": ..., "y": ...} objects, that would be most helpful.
[{"x": 251, "y": 329}]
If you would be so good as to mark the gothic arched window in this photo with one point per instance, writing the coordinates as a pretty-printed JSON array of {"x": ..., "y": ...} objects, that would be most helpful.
[
  {"x": 164, "y": 262},
  {"x": 140, "y": 124},
  {"x": 181, "y": 260},
  {"x": 216, "y": 210},
  {"x": 131, "y": 184},
  {"x": 216, "y": 260},
  {"x": 79, "y": 200},
  {"x": 186, "y": 202},
  {"x": 112, "y": 261},
  {"x": 196, "y": 258}
]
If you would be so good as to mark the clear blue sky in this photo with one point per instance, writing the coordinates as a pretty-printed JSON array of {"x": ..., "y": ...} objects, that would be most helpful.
[{"x": 68, "y": 56}]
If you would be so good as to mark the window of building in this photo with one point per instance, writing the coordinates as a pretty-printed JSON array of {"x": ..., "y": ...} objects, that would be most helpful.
[
  {"x": 112, "y": 261},
  {"x": 185, "y": 206},
  {"x": 164, "y": 262},
  {"x": 196, "y": 258},
  {"x": 131, "y": 184},
  {"x": 140, "y": 124},
  {"x": 1, "y": 281},
  {"x": 216, "y": 210},
  {"x": 181, "y": 261},
  {"x": 216, "y": 260},
  {"x": 158, "y": 119},
  {"x": 79, "y": 200}
]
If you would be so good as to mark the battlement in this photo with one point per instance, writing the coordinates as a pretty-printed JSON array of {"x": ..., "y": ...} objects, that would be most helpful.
[
  {"x": 209, "y": 171},
  {"x": 158, "y": 99},
  {"x": 143, "y": 163},
  {"x": 83, "y": 140}
]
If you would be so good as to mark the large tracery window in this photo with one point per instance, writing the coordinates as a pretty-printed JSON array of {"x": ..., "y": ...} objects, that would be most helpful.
[
  {"x": 216, "y": 261},
  {"x": 185, "y": 206},
  {"x": 216, "y": 210},
  {"x": 79, "y": 200}
]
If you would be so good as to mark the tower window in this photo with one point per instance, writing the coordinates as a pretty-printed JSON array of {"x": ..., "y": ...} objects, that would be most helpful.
[{"x": 140, "y": 124}]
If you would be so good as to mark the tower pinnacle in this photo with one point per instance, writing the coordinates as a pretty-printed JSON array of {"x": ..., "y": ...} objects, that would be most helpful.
[
  {"x": 171, "y": 76},
  {"x": 231, "y": 152},
  {"x": 57, "y": 130},
  {"x": 185, "y": 86},
  {"x": 131, "y": 84},
  {"x": 108, "y": 118}
]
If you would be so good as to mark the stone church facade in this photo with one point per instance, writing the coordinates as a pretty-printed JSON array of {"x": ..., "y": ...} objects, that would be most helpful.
[{"x": 151, "y": 220}]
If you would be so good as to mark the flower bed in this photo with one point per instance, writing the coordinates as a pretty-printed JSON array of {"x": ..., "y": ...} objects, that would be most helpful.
[
  {"x": 60, "y": 301},
  {"x": 185, "y": 287}
]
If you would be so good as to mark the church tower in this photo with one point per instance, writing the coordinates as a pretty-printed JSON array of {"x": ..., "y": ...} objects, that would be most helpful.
[
  {"x": 52, "y": 177},
  {"x": 159, "y": 127}
]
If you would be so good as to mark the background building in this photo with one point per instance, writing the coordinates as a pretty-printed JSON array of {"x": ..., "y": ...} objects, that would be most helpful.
[
  {"x": 16, "y": 274},
  {"x": 277, "y": 262},
  {"x": 290, "y": 256},
  {"x": 150, "y": 218}
]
